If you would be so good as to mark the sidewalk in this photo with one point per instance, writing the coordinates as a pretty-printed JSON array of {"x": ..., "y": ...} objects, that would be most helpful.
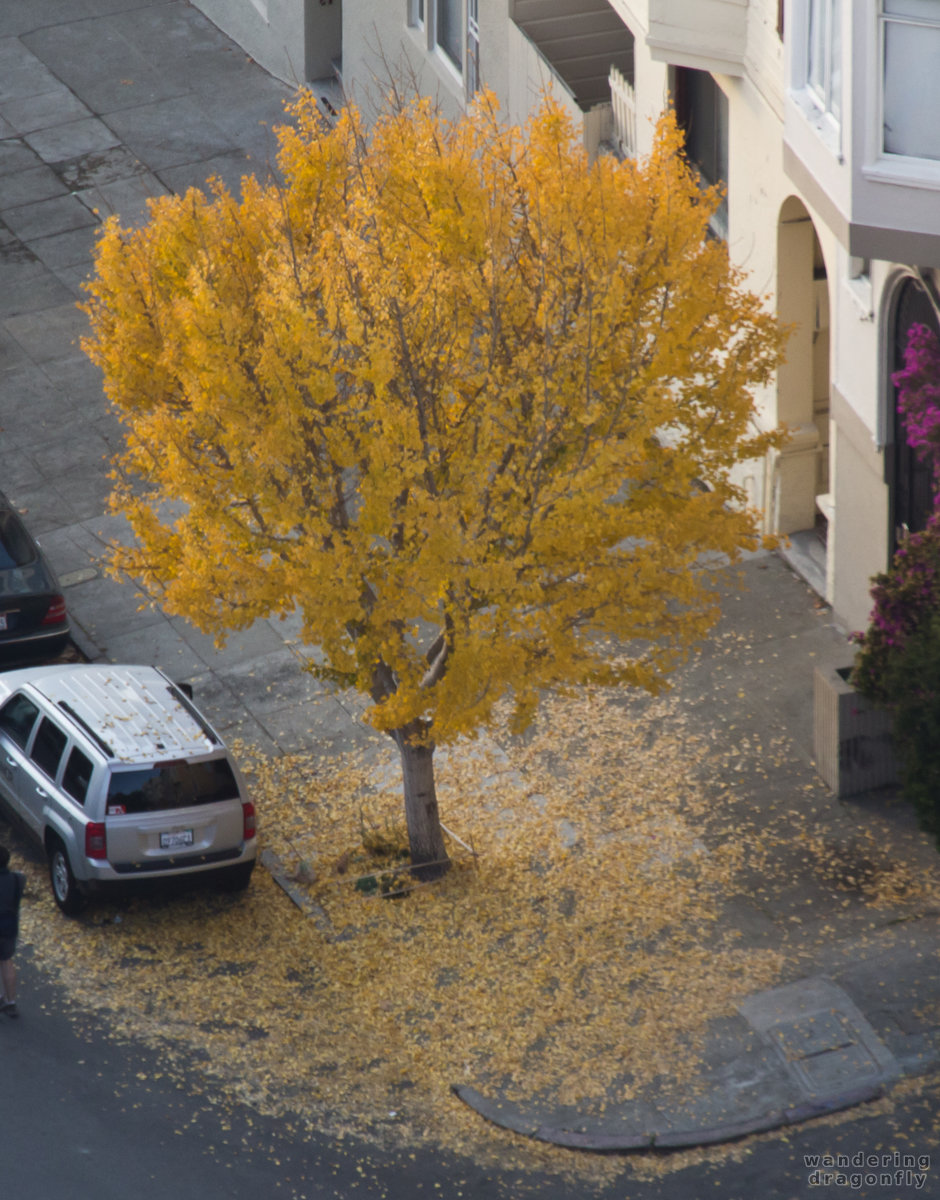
[
  {"x": 98, "y": 112},
  {"x": 859, "y": 1010}
]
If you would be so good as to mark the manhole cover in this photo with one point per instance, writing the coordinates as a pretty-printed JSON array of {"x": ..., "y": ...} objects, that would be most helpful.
[
  {"x": 812, "y": 1035},
  {"x": 834, "y": 1068},
  {"x": 824, "y": 1050}
]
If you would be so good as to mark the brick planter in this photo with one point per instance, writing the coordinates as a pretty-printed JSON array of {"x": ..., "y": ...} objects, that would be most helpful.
[{"x": 852, "y": 738}]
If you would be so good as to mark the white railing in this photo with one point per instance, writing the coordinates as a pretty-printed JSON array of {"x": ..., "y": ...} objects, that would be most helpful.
[{"x": 623, "y": 101}]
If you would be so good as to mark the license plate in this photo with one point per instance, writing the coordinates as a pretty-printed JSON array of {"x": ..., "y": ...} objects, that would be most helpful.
[
  {"x": 3, "y": 620},
  {"x": 173, "y": 841}
]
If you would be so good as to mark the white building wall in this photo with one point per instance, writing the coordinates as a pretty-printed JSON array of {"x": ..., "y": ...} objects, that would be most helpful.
[
  {"x": 881, "y": 210},
  {"x": 380, "y": 47},
  {"x": 529, "y": 77},
  {"x": 379, "y": 44}
]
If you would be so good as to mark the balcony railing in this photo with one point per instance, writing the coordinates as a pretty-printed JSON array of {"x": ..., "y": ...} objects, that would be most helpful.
[{"x": 623, "y": 102}]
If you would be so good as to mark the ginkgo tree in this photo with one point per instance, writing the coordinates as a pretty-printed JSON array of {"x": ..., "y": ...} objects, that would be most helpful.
[{"x": 466, "y": 401}]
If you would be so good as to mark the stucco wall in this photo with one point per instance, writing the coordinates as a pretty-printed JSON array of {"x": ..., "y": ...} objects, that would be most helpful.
[
  {"x": 861, "y": 515},
  {"x": 378, "y": 45},
  {"x": 529, "y": 78}
]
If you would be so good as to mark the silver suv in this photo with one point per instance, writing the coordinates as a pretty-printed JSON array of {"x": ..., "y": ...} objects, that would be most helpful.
[{"x": 119, "y": 777}]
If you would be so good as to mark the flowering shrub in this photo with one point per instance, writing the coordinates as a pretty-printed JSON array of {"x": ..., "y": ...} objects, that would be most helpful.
[
  {"x": 905, "y": 597},
  {"x": 918, "y": 385},
  {"x": 898, "y": 665},
  {"x": 898, "y": 662}
]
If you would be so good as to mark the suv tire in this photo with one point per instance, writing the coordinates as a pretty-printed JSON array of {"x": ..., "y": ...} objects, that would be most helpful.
[
  {"x": 235, "y": 879},
  {"x": 65, "y": 889}
]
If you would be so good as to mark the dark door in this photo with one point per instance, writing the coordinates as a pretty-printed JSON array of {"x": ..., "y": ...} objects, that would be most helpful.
[{"x": 909, "y": 479}]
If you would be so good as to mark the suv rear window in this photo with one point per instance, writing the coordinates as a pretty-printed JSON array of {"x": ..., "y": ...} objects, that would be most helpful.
[{"x": 176, "y": 784}]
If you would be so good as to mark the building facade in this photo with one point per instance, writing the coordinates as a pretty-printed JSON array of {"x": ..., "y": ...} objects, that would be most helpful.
[
  {"x": 816, "y": 116},
  {"x": 863, "y": 152}
]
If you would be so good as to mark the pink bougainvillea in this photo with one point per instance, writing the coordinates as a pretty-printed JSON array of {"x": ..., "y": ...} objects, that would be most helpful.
[
  {"x": 905, "y": 597},
  {"x": 918, "y": 384},
  {"x": 898, "y": 661}
]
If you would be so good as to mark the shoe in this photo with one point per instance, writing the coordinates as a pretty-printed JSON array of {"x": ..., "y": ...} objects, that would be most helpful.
[{"x": 9, "y": 1007}]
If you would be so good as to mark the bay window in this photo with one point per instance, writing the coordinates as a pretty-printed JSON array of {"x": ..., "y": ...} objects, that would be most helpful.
[{"x": 911, "y": 89}]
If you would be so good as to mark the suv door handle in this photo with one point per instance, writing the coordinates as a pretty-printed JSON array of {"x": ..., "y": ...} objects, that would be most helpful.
[
  {"x": 40, "y": 792},
  {"x": 11, "y": 762}
]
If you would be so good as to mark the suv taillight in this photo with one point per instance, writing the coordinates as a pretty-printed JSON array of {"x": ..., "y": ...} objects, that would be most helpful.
[
  {"x": 55, "y": 613},
  {"x": 249, "y": 828},
  {"x": 96, "y": 840}
]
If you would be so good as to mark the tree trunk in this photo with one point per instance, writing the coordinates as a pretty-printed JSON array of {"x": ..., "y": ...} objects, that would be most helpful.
[{"x": 426, "y": 838}]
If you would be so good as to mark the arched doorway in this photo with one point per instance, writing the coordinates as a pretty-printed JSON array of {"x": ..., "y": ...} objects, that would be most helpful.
[
  {"x": 801, "y": 502},
  {"x": 909, "y": 479}
]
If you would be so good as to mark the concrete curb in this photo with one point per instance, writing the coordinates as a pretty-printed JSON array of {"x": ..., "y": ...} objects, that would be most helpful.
[
  {"x": 83, "y": 643},
  {"x": 507, "y": 1117}
]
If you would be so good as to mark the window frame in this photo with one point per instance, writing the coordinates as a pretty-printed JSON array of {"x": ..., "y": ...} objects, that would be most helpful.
[
  {"x": 439, "y": 49},
  {"x": 886, "y": 19},
  {"x": 825, "y": 85},
  {"x": 815, "y": 102},
  {"x": 472, "y": 49}
]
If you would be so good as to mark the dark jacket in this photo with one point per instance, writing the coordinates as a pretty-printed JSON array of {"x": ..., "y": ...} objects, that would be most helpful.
[{"x": 11, "y": 891}]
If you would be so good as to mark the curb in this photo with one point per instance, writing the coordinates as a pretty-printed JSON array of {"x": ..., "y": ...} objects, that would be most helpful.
[
  {"x": 668, "y": 1139},
  {"x": 89, "y": 651}
]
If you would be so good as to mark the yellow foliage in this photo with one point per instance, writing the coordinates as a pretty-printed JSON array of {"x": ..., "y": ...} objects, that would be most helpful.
[{"x": 449, "y": 379}]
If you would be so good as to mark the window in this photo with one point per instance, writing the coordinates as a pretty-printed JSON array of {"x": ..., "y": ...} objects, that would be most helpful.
[
  {"x": 17, "y": 718},
  {"x": 911, "y": 95},
  {"x": 473, "y": 46},
  {"x": 702, "y": 112},
  {"x": 77, "y": 776},
  {"x": 47, "y": 747},
  {"x": 824, "y": 56},
  {"x": 416, "y": 13},
  {"x": 176, "y": 784},
  {"x": 448, "y": 32}
]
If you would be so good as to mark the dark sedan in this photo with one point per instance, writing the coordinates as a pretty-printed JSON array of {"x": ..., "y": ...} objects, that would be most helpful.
[{"x": 33, "y": 620}]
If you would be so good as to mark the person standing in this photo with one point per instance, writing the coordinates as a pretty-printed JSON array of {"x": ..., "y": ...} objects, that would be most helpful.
[{"x": 11, "y": 892}]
